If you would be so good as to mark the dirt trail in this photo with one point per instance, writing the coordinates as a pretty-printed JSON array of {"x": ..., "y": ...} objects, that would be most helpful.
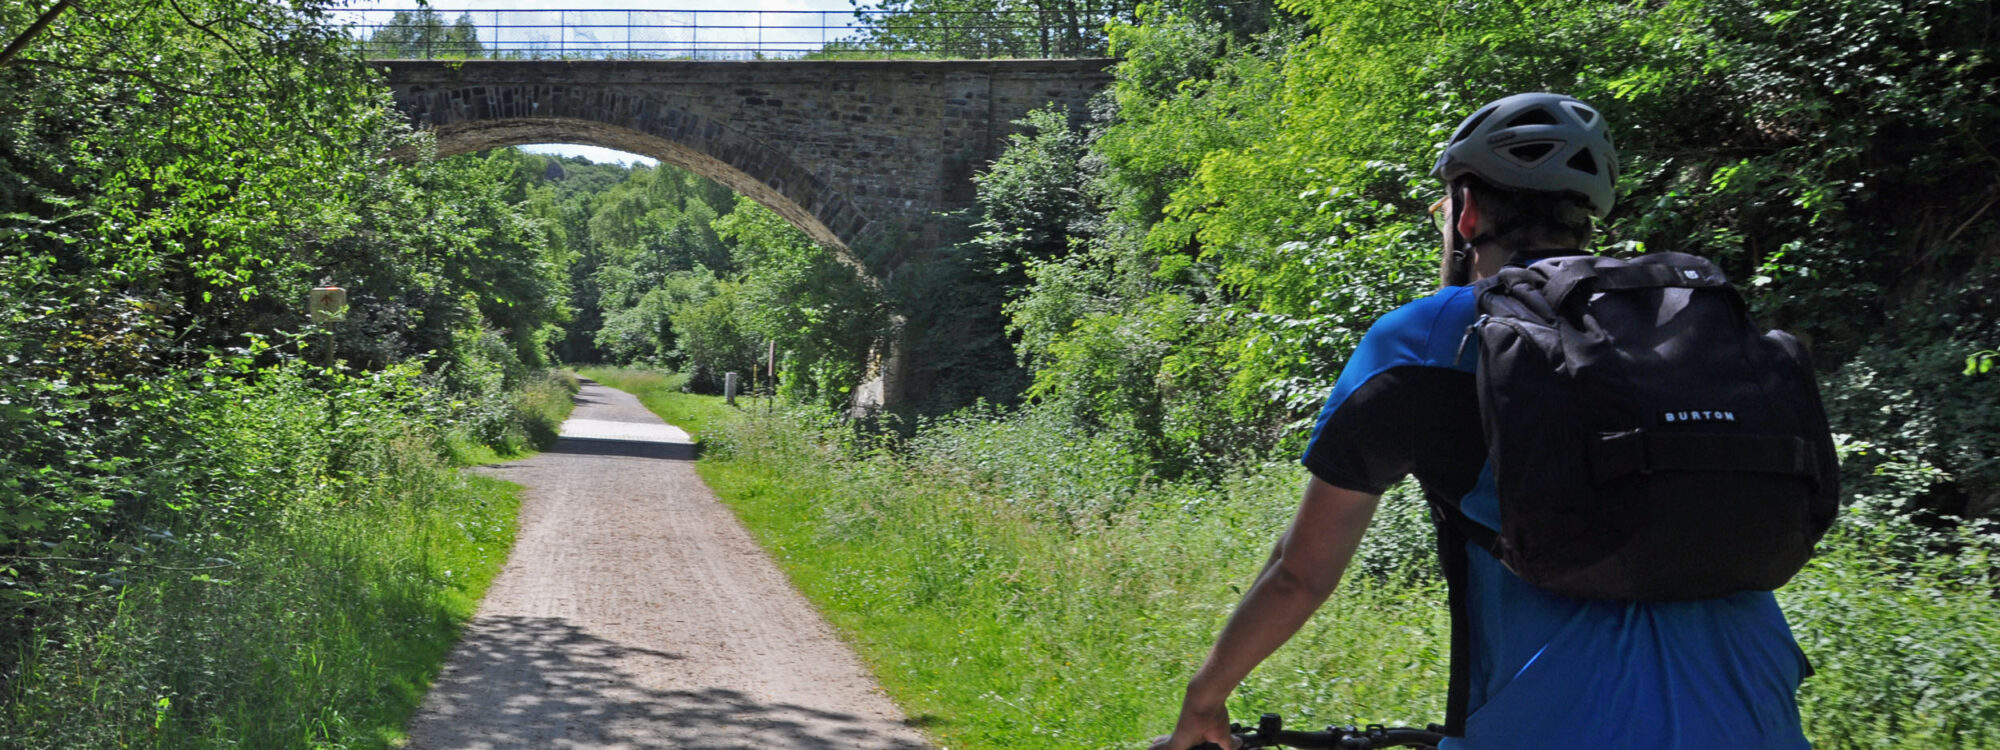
[{"x": 636, "y": 612}]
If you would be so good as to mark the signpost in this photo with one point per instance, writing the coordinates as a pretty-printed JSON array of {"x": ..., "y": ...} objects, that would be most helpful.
[{"x": 327, "y": 304}]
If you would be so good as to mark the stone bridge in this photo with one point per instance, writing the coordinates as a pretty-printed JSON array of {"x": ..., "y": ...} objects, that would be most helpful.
[
  {"x": 853, "y": 152},
  {"x": 863, "y": 155}
]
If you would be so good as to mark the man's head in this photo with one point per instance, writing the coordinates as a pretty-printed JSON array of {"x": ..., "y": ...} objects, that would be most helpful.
[{"x": 1525, "y": 173}]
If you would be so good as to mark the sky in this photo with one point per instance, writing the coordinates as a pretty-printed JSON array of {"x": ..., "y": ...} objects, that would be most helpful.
[{"x": 451, "y": 9}]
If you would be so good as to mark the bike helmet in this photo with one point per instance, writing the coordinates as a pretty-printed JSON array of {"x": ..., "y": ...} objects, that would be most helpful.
[{"x": 1543, "y": 143}]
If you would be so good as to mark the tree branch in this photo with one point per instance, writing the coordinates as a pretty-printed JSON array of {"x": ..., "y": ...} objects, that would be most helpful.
[
  {"x": 224, "y": 41},
  {"x": 34, "y": 29},
  {"x": 1968, "y": 222},
  {"x": 127, "y": 73}
]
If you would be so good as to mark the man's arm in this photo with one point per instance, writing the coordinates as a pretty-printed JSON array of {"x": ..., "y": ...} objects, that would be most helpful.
[{"x": 1302, "y": 572}]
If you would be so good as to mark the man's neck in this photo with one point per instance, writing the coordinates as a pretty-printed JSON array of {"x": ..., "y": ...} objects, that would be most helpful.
[{"x": 1487, "y": 260}]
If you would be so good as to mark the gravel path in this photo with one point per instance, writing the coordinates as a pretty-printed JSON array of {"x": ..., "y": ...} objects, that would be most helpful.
[{"x": 635, "y": 612}]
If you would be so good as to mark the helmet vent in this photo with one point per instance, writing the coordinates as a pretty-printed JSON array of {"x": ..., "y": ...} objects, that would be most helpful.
[
  {"x": 1530, "y": 153},
  {"x": 1472, "y": 126},
  {"x": 1582, "y": 162},
  {"x": 1536, "y": 116},
  {"x": 1589, "y": 115}
]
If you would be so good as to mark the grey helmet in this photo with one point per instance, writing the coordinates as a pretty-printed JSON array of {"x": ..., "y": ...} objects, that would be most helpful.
[{"x": 1543, "y": 143}]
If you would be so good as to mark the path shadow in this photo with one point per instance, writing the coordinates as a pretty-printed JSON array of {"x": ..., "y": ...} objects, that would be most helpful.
[
  {"x": 540, "y": 682},
  {"x": 579, "y": 446},
  {"x": 584, "y": 396}
]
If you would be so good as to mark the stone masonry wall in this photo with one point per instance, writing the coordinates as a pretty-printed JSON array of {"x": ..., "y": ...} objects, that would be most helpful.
[{"x": 847, "y": 150}]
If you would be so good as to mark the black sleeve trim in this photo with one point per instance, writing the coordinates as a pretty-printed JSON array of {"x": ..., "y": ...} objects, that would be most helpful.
[{"x": 1372, "y": 440}]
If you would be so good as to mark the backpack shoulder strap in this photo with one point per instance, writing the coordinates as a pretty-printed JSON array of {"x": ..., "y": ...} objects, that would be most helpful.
[{"x": 1452, "y": 561}]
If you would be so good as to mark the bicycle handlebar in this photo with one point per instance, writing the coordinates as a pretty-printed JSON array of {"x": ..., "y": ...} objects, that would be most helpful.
[{"x": 1270, "y": 732}]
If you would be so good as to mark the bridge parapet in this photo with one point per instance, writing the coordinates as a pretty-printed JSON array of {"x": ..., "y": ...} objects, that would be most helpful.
[{"x": 655, "y": 33}]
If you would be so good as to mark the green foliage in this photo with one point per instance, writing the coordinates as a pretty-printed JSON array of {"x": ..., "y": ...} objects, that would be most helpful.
[
  {"x": 183, "y": 496},
  {"x": 823, "y": 317},
  {"x": 1911, "y": 400},
  {"x": 1034, "y": 198},
  {"x": 1898, "y": 617},
  {"x": 987, "y": 28},
  {"x": 638, "y": 321},
  {"x": 1980, "y": 362},
  {"x": 509, "y": 422},
  {"x": 190, "y": 612},
  {"x": 1274, "y": 181},
  {"x": 714, "y": 339},
  {"x": 421, "y": 34}
]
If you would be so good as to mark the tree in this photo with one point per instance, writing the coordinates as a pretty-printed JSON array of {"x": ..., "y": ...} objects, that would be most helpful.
[
  {"x": 794, "y": 292},
  {"x": 422, "y": 34},
  {"x": 992, "y": 28}
]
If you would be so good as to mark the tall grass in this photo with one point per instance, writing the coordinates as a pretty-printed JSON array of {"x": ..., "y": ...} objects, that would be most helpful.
[
  {"x": 299, "y": 587},
  {"x": 508, "y": 424},
  {"x": 323, "y": 634},
  {"x": 1015, "y": 586}
]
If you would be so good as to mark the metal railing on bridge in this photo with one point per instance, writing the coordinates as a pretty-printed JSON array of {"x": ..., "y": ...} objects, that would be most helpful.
[{"x": 439, "y": 33}]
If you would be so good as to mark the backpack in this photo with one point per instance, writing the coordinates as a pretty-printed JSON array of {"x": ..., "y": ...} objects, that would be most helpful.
[{"x": 1647, "y": 441}]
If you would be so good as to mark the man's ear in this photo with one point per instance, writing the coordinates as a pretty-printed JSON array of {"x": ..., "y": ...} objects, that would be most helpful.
[{"x": 1468, "y": 215}]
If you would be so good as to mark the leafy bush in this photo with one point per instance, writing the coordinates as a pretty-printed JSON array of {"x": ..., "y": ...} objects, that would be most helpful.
[
  {"x": 1898, "y": 616},
  {"x": 204, "y": 540},
  {"x": 1274, "y": 183},
  {"x": 194, "y": 610}
]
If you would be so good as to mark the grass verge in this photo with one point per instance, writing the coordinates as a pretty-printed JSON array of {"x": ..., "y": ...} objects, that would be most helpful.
[
  {"x": 995, "y": 628},
  {"x": 324, "y": 633},
  {"x": 303, "y": 592},
  {"x": 997, "y": 625}
]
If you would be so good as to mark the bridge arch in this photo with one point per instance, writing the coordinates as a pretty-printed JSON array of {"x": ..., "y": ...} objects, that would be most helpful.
[
  {"x": 646, "y": 127},
  {"x": 845, "y": 149}
]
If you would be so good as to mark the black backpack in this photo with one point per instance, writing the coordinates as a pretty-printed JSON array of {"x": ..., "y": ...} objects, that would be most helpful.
[{"x": 1648, "y": 442}]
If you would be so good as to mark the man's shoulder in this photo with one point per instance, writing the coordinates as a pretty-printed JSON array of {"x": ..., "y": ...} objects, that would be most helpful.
[{"x": 1427, "y": 331}]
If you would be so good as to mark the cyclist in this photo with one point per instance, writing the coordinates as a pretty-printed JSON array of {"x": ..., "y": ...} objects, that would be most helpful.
[{"x": 1530, "y": 668}]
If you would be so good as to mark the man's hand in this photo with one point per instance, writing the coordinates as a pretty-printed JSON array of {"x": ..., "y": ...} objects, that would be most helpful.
[{"x": 1198, "y": 724}]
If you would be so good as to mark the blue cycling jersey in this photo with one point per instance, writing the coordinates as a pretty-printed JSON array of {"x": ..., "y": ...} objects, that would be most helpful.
[{"x": 1542, "y": 670}]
